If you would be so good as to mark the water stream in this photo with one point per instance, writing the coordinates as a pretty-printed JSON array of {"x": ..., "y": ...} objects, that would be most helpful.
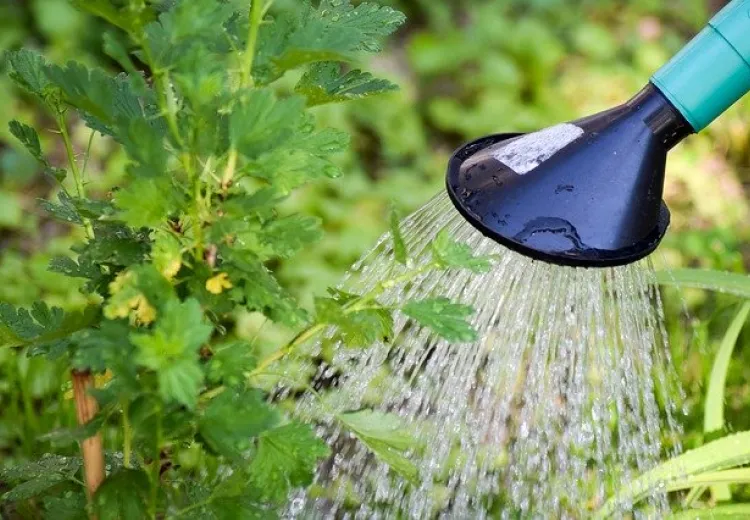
[{"x": 565, "y": 397}]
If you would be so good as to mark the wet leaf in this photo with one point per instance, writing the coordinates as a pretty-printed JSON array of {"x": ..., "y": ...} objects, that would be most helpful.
[
  {"x": 123, "y": 496},
  {"x": 285, "y": 459},
  {"x": 727, "y": 452},
  {"x": 451, "y": 254},
  {"x": 445, "y": 318},
  {"x": 232, "y": 419},
  {"x": 386, "y": 436},
  {"x": 324, "y": 83},
  {"x": 714, "y": 407}
]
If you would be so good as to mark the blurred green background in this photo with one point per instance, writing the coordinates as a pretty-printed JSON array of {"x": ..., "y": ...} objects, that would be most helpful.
[{"x": 466, "y": 68}]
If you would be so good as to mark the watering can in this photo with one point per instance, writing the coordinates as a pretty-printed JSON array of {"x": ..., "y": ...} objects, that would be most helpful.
[{"x": 589, "y": 192}]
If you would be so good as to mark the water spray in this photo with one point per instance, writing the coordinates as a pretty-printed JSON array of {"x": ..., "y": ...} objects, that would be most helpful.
[{"x": 569, "y": 392}]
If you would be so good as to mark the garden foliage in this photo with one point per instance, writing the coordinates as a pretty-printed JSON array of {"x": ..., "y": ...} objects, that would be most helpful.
[{"x": 175, "y": 252}]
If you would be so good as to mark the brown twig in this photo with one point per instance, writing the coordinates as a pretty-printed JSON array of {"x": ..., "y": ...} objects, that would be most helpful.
[{"x": 91, "y": 448}]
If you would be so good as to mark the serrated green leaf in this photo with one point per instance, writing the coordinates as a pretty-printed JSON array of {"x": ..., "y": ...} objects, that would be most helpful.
[
  {"x": 181, "y": 26},
  {"x": 108, "y": 11},
  {"x": 28, "y": 137},
  {"x": 305, "y": 157},
  {"x": 29, "y": 71},
  {"x": 386, "y": 436},
  {"x": 230, "y": 362},
  {"x": 451, "y": 254},
  {"x": 285, "y": 459},
  {"x": 261, "y": 122},
  {"x": 115, "y": 244},
  {"x": 123, "y": 495},
  {"x": 727, "y": 452},
  {"x": 445, "y": 318},
  {"x": 181, "y": 381},
  {"x": 64, "y": 436},
  {"x": 101, "y": 98},
  {"x": 46, "y": 465},
  {"x": 334, "y": 31},
  {"x": 324, "y": 83},
  {"x": 69, "y": 267},
  {"x": 399, "y": 247},
  {"x": 41, "y": 324},
  {"x": 144, "y": 141},
  {"x": 232, "y": 419},
  {"x": 34, "y": 478},
  {"x": 70, "y": 506},
  {"x": 107, "y": 346},
  {"x": 355, "y": 328},
  {"x": 259, "y": 291},
  {"x": 146, "y": 202},
  {"x": 171, "y": 349},
  {"x": 181, "y": 329},
  {"x": 94, "y": 209},
  {"x": 240, "y": 508},
  {"x": 65, "y": 211},
  {"x": 285, "y": 236},
  {"x": 33, "y": 488}
]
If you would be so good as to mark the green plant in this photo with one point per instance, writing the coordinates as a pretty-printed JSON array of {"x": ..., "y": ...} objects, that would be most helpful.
[
  {"x": 718, "y": 463},
  {"x": 180, "y": 252}
]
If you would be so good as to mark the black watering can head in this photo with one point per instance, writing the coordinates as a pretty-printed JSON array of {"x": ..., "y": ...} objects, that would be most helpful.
[
  {"x": 585, "y": 193},
  {"x": 588, "y": 193}
]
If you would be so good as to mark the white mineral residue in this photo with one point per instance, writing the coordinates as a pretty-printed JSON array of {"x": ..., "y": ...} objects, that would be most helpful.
[{"x": 529, "y": 151}]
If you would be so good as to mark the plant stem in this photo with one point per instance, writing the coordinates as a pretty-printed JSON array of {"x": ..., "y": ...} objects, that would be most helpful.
[
  {"x": 156, "y": 469},
  {"x": 31, "y": 417},
  {"x": 256, "y": 16},
  {"x": 127, "y": 435},
  {"x": 77, "y": 177},
  {"x": 87, "y": 156},
  {"x": 71, "y": 155},
  {"x": 195, "y": 209},
  {"x": 229, "y": 170},
  {"x": 193, "y": 507},
  {"x": 91, "y": 448},
  {"x": 362, "y": 303},
  {"x": 298, "y": 340},
  {"x": 246, "y": 80}
]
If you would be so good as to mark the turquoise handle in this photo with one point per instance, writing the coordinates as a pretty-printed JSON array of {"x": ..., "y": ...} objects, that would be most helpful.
[{"x": 713, "y": 71}]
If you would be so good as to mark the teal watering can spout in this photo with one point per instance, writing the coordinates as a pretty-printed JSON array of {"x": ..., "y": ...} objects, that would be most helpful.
[{"x": 713, "y": 71}]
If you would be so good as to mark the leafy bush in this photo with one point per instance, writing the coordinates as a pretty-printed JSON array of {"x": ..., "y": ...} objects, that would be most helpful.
[{"x": 174, "y": 255}]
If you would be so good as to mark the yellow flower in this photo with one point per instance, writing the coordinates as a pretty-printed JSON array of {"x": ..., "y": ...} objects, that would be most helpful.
[
  {"x": 218, "y": 283},
  {"x": 144, "y": 312},
  {"x": 99, "y": 381},
  {"x": 171, "y": 269},
  {"x": 119, "y": 282}
]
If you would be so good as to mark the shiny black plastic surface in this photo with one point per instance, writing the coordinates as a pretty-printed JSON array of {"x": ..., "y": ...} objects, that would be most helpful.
[{"x": 594, "y": 203}]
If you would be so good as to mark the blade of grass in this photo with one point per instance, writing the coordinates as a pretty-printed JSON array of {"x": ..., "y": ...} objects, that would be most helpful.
[
  {"x": 712, "y": 478},
  {"x": 727, "y": 452},
  {"x": 733, "y": 512},
  {"x": 719, "y": 281},
  {"x": 713, "y": 418}
]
